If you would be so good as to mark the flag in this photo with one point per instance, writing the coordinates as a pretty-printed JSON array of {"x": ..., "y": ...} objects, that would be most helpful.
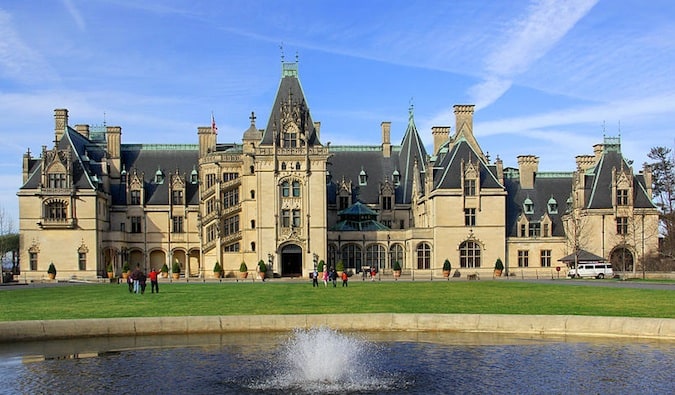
[{"x": 214, "y": 128}]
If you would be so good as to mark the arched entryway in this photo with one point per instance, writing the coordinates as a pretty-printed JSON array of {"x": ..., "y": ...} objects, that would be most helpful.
[
  {"x": 622, "y": 260},
  {"x": 291, "y": 261}
]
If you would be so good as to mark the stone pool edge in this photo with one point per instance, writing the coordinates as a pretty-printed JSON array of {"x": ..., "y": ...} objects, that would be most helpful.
[{"x": 625, "y": 327}]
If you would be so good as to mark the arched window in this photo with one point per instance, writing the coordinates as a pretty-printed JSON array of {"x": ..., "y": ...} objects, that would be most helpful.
[
  {"x": 252, "y": 194},
  {"x": 252, "y": 224},
  {"x": 423, "y": 256},
  {"x": 395, "y": 254},
  {"x": 285, "y": 189},
  {"x": 253, "y": 246},
  {"x": 332, "y": 255},
  {"x": 469, "y": 255},
  {"x": 376, "y": 256},
  {"x": 296, "y": 189},
  {"x": 297, "y": 165},
  {"x": 351, "y": 256}
]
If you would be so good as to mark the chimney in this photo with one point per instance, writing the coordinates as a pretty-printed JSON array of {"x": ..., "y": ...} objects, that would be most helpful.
[
  {"x": 386, "y": 139},
  {"x": 597, "y": 151},
  {"x": 441, "y": 134},
  {"x": 647, "y": 174},
  {"x": 585, "y": 162},
  {"x": 27, "y": 160},
  {"x": 207, "y": 140},
  {"x": 463, "y": 118},
  {"x": 83, "y": 130},
  {"x": 528, "y": 166},
  {"x": 500, "y": 170},
  {"x": 60, "y": 123},
  {"x": 113, "y": 136},
  {"x": 317, "y": 130}
]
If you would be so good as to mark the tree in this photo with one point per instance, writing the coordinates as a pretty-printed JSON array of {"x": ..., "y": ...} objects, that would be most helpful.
[
  {"x": 9, "y": 244},
  {"x": 663, "y": 183}
]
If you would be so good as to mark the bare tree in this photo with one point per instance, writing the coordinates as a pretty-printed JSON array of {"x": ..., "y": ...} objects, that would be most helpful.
[
  {"x": 663, "y": 180},
  {"x": 9, "y": 244}
]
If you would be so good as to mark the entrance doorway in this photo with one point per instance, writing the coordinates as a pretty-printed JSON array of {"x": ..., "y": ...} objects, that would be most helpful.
[
  {"x": 291, "y": 261},
  {"x": 622, "y": 260}
]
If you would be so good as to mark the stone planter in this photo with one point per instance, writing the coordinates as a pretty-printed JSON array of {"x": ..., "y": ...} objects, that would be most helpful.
[
  {"x": 243, "y": 275},
  {"x": 216, "y": 274}
]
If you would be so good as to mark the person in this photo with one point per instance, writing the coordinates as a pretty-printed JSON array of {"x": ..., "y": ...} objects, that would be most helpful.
[
  {"x": 325, "y": 277},
  {"x": 372, "y": 273},
  {"x": 142, "y": 281},
  {"x": 315, "y": 278},
  {"x": 135, "y": 277},
  {"x": 154, "y": 285},
  {"x": 345, "y": 278},
  {"x": 130, "y": 283},
  {"x": 333, "y": 277}
]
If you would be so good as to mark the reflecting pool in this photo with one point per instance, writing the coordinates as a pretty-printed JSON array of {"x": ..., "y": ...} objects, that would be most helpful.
[{"x": 330, "y": 362}]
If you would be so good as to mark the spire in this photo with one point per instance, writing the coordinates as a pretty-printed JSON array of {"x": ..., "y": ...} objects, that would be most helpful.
[{"x": 413, "y": 157}]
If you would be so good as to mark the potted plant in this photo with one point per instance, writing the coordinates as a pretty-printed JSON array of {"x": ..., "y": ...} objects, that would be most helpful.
[
  {"x": 110, "y": 271},
  {"x": 499, "y": 267},
  {"x": 397, "y": 270},
  {"x": 51, "y": 271},
  {"x": 125, "y": 270},
  {"x": 447, "y": 267},
  {"x": 262, "y": 269},
  {"x": 164, "y": 270},
  {"x": 217, "y": 270},
  {"x": 319, "y": 268},
  {"x": 243, "y": 270},
  {"x": 340, "y": 268},
  {"x": 175, "y": 270}
]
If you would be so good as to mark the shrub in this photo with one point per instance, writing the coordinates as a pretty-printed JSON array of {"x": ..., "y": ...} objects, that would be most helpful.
[
  {"x": 499, "y": 265},
  {"x": 397, "y": 266},
  {"x": 447, "y": 266},
  {"x": 262, "y": 268},
  {"x": 52, "y": 269},
  {"x": 164, "y": 269},
  {"x": 217, "y": 268},
  {"x": 321, "y": 265},
  {"x": 340, "y": 267},
  {"x": 243, "y": 268},
  {"x": 125, "y": 267},
  {"x": 176, "y": 267},
  {"x": 109, "y": 268}
]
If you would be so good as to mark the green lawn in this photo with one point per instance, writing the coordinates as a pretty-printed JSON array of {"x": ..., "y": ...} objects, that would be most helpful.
[{"x": 194, "y": 299}]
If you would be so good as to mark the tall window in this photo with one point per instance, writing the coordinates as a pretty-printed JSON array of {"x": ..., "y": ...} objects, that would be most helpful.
[
  {"x": 211, "y": 233},
  {"x": 376, "y": 256},
  {"x": 56, "y": 180},
  {"x": 469, "y": 254},
  {"x": 386, "y": 202},
  {"x": 395, "y": 254},
  {"x": 296, "y": 218},
  {"x": 470, "y": 187},
  {"x": 285, "y": 189},
  {"x": 82, "y": 260},
  {"x": 177, "y": 224},
  {"x": 351, "y": 256},
  {"x": 622, "y": 225},
  {"x": 177, "y": 197},
  {"x": 523, "y": 258},
  {"x": 231, "y": 198},
  {"x": 285, "y": 218},
  {"x": 622, "y": 197},
  {"x": 423, "y": 256},
  {"x": 469, "y": 217},
  {"x": 136, "y": 225},
  {"x": 296, "y": 189},
  {"x": 545, "y": 258},
  {"x": 546, "y": 232},
  {"x": 211, "y": 180},
  {"x": 33, "y": 259},
  {"x": 523, "y": 230},
  {"x": 135, "y": 196},
  {"x": 231, "y": 225}
]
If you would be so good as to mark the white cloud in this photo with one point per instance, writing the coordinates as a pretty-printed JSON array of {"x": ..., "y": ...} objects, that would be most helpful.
[{"x": 75, "y": 14}]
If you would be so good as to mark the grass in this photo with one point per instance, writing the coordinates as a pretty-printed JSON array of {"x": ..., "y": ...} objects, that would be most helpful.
[{"x": 475, "y": 297}]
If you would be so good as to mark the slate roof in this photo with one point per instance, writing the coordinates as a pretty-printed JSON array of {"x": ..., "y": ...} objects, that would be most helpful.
[
  {"x": 448, "y": 167},
  {"x": 599, "y": 180},
  {"x": 358, "y": 217},
  {"x": 584, "y": 256},
  {"x": 554, "y": 185}
]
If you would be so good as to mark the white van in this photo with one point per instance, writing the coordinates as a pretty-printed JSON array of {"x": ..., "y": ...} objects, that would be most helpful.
[{"x": 597, "y": 270}]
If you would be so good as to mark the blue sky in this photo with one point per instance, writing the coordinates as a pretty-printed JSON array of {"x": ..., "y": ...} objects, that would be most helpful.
[{"x": 548, "y": 78}]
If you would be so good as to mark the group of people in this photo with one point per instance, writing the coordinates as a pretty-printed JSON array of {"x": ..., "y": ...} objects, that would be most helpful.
[
  {"x": 329, "y": 275},
  {"x": 137, "y": 281}
]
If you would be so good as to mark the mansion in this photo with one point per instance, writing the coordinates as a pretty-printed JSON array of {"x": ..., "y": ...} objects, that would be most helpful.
[{"x": 282, "y": 196}]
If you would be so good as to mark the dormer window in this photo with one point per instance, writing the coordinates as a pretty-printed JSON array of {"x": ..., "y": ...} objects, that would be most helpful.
[
  {"x": 194, "y": 176},
  {"x": 159, "y": 176},
  {"x": 528, "y": 206},
  {"x": 363, "y": 178},
  {"x": 123, "y": 175},
  {"x": 552, "y": 206},
  {"x": 396, "y": 178},
  {"x": 56, "y": 180},
  {"x": 622, "y": 197}
]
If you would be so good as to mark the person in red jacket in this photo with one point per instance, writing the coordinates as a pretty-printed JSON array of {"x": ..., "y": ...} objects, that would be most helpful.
[{"x": 154, "y": 285}]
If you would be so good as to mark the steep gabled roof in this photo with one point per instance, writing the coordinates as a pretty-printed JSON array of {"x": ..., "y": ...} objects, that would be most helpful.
[
  {"x": 290, "y": 89},
  {"x": 412, "y": 154},
  {"x": 448, "y": 173}
]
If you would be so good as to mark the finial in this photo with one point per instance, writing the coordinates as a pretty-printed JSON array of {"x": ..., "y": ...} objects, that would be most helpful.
[
  {"x": 104, "y": 124},
  {"x": 252, "y": 118},
  {"x": 297, "y": 57},
  {"x": 281, "y": 47}
]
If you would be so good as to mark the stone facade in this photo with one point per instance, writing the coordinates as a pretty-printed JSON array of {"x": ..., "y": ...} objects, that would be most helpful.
[{"x": 284, "y": 198}]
